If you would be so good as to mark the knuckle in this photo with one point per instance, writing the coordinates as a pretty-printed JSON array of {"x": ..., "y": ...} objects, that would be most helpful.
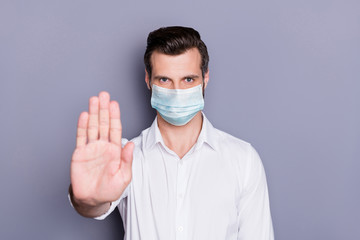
[
  {"x": 104, "y": 121},
  {"x": 114, "y": 131},
  {"x": 92, "y": 127},
  {"x": 93, "y": 122},
  {"x": 81, "y": 133}
]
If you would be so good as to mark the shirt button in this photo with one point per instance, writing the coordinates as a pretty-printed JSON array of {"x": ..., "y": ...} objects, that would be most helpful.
[{"x": 180, "y": 228}]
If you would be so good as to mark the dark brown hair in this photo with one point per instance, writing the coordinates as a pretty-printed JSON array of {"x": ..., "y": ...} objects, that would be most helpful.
[{"x": 175, "y": 40}]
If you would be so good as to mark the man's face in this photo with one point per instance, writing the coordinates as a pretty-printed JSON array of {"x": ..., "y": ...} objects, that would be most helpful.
[{"x": 176, "y": 72}]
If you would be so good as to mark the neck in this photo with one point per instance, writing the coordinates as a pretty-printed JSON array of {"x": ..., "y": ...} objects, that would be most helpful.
[{"x": 180, "y": 139}]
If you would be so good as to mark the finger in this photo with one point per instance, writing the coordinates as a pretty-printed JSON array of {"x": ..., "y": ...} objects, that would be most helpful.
[
  {"x": 115, "y": 123},
  {"x": 81, "y": 129},
  {"x": 93, "y": 126},
  {"x": 126, "y": 161},
  {"x": 104, "y": 99},
  {"x": 127, "y": 155}
]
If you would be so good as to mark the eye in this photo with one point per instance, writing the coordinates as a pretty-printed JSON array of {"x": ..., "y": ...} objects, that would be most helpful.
[
  {"x": 163, "y": 80},
  {"x": 189, "y": 80}
]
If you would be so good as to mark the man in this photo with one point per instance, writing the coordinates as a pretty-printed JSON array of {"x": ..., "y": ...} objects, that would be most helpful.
[{"x": 181, "y": 178}]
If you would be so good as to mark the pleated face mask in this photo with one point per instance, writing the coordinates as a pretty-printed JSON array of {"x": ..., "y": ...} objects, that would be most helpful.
[{"x": 177, "y": 106}]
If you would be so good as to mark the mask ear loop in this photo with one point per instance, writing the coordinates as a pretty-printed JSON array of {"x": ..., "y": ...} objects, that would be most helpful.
[
  {"x": 203, "y": 88},
  {"x": 150, "y": 85}
]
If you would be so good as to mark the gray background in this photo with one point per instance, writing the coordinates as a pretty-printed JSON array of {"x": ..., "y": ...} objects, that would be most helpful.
[{"x": 284, "y": 75}]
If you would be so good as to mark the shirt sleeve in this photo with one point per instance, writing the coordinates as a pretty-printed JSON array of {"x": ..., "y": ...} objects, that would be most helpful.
[
  {"x": 114, "y": 204},
  {"x": 254, "y": 208}
]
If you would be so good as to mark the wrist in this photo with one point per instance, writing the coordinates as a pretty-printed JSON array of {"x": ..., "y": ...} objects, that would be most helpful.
[{"x": 87, "y": 209}]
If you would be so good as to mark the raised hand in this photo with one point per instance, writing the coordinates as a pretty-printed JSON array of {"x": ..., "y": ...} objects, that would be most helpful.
[{"x": 100, "y": 167}]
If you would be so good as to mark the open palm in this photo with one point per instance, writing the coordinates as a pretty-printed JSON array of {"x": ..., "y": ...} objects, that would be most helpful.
[{"x": 100, "y": 167}]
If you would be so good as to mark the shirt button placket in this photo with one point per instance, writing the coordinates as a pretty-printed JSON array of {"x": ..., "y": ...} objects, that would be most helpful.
[{"x": 180, "y": 190}]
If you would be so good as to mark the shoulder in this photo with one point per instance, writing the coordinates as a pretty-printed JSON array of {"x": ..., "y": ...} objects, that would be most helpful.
[
  {"x": 244, "y": 159},
  {"x": 233, "y": 150},
  {"x": 241, "y": 153},
  {"x": 230, "y": 143}
]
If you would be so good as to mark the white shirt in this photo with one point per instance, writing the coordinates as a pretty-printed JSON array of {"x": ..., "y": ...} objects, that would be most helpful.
[{"x": 217, "y": 191}]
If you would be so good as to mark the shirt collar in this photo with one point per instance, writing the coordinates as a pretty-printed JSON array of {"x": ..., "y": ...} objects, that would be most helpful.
[{"x": 207, "y": 135}]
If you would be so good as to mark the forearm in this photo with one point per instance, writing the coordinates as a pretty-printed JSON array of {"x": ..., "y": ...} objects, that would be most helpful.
[{"x": 88, "y": 210}]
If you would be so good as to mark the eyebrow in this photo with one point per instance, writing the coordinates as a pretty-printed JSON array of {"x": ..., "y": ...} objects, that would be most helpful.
[
  {"x": 160, "y": 76},
  {"x": 194, "y": 76}
]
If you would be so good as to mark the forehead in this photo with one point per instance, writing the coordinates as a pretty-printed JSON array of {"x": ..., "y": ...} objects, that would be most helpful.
[{"x": 187, "y": 62}]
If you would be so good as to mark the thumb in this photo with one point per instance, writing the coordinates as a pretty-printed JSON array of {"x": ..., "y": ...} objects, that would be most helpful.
[{"x": 127, "y": 155}]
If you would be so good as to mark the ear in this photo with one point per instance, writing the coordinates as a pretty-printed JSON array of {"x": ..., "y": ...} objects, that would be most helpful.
[
  {"x": 147, "y": 79},
  {"x": 206, "y": 78}
]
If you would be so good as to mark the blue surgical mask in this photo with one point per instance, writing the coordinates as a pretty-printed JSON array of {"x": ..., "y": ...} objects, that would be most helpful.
[{"x": 177, "y": 106}]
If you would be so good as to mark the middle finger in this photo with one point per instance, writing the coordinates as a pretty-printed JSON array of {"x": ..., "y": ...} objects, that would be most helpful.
[{"x": 104, "y": 118}]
